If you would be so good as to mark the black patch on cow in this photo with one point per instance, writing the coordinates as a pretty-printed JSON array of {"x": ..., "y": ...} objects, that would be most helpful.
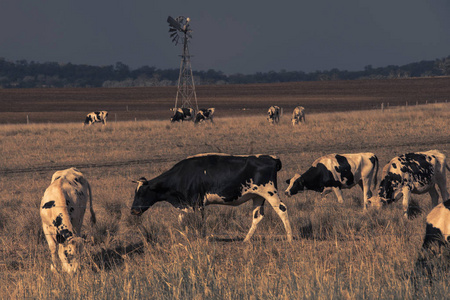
[
  {"x": 432, "y": 235},
  {"x": 373, "y": 159},
  {"x": 388, "y": 184},
  {"x": 63, "y": 235},
  {"x": 345, "y": 170},
  {"x": 394, "y": 166},
  {"x": 67, "y": 202},
  {"x": 317, "y": 178},
  {"x": 270, "y": 193},
  {"x": 58, "y": 221},
  {"x": 447, "y": 204},
  {"x": 71, "y": 209},
  {"x": 256, "y": 214},
  {"x": 282, "y": 207},
  {"x": 418, "y": 166},
  {"x": 49, "y": 204}
]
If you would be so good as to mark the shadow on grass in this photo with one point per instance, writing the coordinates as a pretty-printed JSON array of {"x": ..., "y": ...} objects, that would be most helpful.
[{"x": 108, "y": 259}]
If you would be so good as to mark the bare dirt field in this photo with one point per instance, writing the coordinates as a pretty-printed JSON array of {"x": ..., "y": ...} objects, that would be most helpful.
[{"x": 71, "y": 105}]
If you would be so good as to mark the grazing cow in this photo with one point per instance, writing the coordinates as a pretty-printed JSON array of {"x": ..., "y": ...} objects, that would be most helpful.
[
  {"x": 438, "y": 226},
  {"x": 204, "y": 114},
  {"x": 416, "y": 173},
  {"x": 62, "y": 211},
  {"x": 97, "y": 116},
  {"x": 214, "y": 178},
  {"x": 273, "y": 114},
  {"x": 298, "y": 115},
  {"x": 182, "y": 114},
  {"x": 334, "y": 172}
]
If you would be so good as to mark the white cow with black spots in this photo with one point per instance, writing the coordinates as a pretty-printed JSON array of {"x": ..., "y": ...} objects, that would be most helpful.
[
  {"x": 96, "y": 117},
  {"x": 62, "y": 210},
  {"x": 298, "y": 115},
  {"x": 412, "y": 173}
]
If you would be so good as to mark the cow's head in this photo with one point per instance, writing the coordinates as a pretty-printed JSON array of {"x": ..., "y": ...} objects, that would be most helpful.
[
  {"x": 144, "y": 197},
  {"x": 296, "y": 184},
  {"x": 69, "y": 252},
  {"x": 376, "y": 202}
]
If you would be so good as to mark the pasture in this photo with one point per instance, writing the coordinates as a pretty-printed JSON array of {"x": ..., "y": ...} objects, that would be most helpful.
[{"x": 338, "y": 250}]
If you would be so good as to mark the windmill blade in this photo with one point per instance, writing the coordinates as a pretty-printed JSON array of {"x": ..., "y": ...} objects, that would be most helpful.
[
  {"x": 173, "y": 34},
  {"x": 174, "y": 23}
]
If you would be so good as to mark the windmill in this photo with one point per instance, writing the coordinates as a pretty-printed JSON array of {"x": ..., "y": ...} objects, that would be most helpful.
[{"x": 180, "y": 30}]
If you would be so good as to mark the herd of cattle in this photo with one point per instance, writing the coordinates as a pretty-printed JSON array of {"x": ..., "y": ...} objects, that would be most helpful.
[
  {"x": 216, "y": 178},
  {"x": 204, "y": 114}
]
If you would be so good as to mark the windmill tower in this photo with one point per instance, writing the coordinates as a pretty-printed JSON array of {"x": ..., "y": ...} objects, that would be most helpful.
[{"x": 180, "y": 29}]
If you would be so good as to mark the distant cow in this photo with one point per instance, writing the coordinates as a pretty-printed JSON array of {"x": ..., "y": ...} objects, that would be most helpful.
[
  {"x": 182, "y": 114},
  {"x": 62, "y": 210},
  {"x": 96, "y": 117},
  {"x": 298, "y": 115},
  {"x": 334, "y": 172},
  {"x": 204, "y": 114},
  {"x": 416, "y": 173},
  {"x": 273, "y": 114},
  {"x": 216, "y": 179}
]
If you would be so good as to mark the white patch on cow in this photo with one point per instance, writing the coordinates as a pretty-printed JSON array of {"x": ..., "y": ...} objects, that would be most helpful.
[
  {"x": 213, "y": 199},
  {"x": 291, "y": 183},
  {"x": 439, "y": 217}
]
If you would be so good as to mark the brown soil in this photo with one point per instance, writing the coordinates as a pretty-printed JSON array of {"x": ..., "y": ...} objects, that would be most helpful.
[{"x": 71, "y": 105}]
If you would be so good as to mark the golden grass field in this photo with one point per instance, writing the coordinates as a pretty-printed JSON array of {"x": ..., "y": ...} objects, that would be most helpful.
[{"x": 338, "y": 250}]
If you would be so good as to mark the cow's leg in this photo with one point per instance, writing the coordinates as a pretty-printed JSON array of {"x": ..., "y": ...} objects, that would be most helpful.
[
  {"x": 257, "y": 215},
  {"x": 442, "y": 184},
  {"x": 406, "y": 196},
  {"x": 434, "y": 196},
  {"x": 202, "y": 211},
  {"x": 367, "y": 193},
  {"x": 49, "y": 236},
  {"x": 338, "y": 193},
  {"x": 281, "y": 209}
]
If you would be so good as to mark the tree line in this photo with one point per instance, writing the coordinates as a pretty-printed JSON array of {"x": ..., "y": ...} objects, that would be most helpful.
[{"x": 24, "y": 74}]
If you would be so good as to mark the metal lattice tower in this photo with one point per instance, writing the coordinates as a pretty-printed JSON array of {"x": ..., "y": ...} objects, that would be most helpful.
[{"x": 179, "y": 28}]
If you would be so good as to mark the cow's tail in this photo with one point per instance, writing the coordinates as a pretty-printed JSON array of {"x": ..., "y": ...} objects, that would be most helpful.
[
  {"x": 279, "y": 165},
  {"x": 376, "y": 166},
  {"x": 93, "y": 218}
]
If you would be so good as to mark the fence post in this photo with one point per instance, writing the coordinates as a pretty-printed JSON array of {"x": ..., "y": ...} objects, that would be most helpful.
[
  {"x": 127, "y": 107},
  {"x": 382, "y": 106},
  {"x": 115, "y": 118},
  {"x": 28, "y": 120}
]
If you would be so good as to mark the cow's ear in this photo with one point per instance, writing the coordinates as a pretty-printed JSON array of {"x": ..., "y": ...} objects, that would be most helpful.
[{"x": 288, "y": 181}]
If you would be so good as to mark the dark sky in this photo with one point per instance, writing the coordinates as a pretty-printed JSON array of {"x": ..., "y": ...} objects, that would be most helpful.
[{"x": 230, "y": 36}]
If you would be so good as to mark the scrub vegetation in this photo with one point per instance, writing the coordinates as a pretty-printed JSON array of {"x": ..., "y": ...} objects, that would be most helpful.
[{"x": 338, "y": 250}]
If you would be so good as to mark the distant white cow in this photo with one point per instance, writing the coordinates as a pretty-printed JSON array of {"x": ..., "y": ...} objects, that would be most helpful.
[
  {"x": 204, "y": 114},
  {"x": 96, "y": 117},
  {"x": 273, "y": 114},
  {"x": 298, "y": 115},
  {"x": 182, "y": 114},
  {"x": 62, "y": 211},
  {"x": 412, "y": 173}
]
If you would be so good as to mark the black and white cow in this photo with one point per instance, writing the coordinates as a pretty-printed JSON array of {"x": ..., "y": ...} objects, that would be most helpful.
[
  {"x": 204, "y": 114},
  {"x": 62, "y": 211},
  {"x": 96, "y": 117},
  {"x": 273, "y": 114},
  {"x": 438, "y": 226},
  {"x": 415, "y": 173},
  {"x": 335, "y": 172},
  {"x": 214, "y": 178},
  {"x": 182, "y": 114},
  {"x": 298, "y": 115}
]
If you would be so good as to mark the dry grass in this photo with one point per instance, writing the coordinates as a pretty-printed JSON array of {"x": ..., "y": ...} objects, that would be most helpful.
[{"x": 338, "y": 251}]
